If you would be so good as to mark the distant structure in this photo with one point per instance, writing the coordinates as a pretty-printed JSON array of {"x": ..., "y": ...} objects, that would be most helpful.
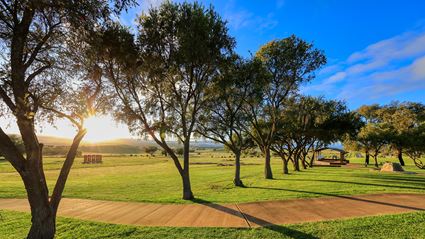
[
  {"x": 334, "y": 161},
  {"x": 92, "y": 159}
]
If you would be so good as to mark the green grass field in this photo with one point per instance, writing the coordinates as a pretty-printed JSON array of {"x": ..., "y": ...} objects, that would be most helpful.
[
  {"x": 410, "y": 225},
  {"x": 155, "y": 179}
]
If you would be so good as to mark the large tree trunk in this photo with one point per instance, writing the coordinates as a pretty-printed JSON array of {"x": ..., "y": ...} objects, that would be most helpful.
[
  {"x": 400, "y": 155},
  {"x": 187, "y": 189},
  {"x": 267, "y": 166},
  {"x": 237, "y": 180},
  {"x": 367, "y": 158},
  {"x": 42, "y": 214},
  {"x": 43, "y": 220},
  {"x": 43, "y": 210}
]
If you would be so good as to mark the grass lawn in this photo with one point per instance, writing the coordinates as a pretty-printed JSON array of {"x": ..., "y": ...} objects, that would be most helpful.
[
  {"x": 410, "y": 225},
  {"x": 155, "y": 179}
]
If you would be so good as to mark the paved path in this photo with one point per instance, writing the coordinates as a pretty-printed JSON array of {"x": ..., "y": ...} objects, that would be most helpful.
[{"x": 232, "y": 215}]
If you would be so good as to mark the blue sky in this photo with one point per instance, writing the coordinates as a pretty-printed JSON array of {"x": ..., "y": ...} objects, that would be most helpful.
[{"x": 375, "y": 49}]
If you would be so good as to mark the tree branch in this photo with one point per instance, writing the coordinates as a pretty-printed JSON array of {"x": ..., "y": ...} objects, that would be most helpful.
[
  {"x": 79, "y": 125},
  {"x": 7, "y": 100},
  {"x": 11, "y": 153},
  {"x": 63, "y": 176}
]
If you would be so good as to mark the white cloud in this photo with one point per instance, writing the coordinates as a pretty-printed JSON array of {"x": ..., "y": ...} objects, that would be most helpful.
[
  {"x": 384, "y": 69},
  {"x": 148, "y": 4},
  {"x": 336, "y": 77},
  {"x": 238, "y": 19},
  {"x": 241, "y": 18}
]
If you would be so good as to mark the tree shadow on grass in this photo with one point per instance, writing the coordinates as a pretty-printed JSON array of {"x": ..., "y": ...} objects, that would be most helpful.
[
  {"x": 344, "y": 197},
  {"x": 395, "y": 178},
  {"x": 250, "y": 220},
  {"x": 356, "y": 183}
]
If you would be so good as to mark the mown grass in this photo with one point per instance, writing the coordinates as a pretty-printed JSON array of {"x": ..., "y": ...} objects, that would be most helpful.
[
  {"x": 155, "y": 179},
  {"x": 410, "y": 225}
]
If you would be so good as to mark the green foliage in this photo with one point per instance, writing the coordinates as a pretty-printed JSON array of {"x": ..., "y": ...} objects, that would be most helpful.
[
  {"x": 290, "y": 62},
  {"x": 179, "y": 151},
  {"x": 223, "y": 119},
  {"x": 397, "y": 124}
]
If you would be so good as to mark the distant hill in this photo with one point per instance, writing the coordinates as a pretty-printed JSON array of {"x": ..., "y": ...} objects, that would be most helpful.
[
  {"x": 116, "y": 146},
  {"x": 54, "y": 141}
]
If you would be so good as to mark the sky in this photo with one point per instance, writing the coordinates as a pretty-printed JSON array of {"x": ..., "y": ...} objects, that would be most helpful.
[{"x": 375, "y": 49}]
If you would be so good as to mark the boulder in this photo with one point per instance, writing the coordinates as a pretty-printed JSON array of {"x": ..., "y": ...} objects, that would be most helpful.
[{"x": 392, "y": 167}]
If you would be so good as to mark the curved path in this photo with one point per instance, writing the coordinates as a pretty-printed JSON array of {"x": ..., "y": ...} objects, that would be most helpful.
[{"x": 204, "y": 214}]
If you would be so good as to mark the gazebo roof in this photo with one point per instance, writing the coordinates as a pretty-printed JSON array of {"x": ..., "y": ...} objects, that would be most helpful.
[{"x": 331, "y": 148}]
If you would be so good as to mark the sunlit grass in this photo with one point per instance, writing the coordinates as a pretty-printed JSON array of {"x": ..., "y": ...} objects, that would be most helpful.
[
  {"x": 410, "y": 225},
  {"x": 155, "y": 179}
]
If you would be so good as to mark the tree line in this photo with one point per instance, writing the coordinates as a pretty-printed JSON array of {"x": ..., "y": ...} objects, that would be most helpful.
[
  {"x": 175, "y": 78},
  {"x": 399, "y": 127}
]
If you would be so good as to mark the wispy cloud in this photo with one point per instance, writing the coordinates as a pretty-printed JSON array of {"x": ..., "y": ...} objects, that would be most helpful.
[
  {"x": 241, "y": 18},
  {"x": 384, "y": 69},
  {"x": 145, "y": 5}
]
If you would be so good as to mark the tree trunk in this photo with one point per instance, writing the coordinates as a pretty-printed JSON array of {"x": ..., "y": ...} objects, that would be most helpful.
[
  {"x": 367, "y": 159},
  {"x": 267, "y": 167},
  {"x": 400, "y": 156},
  {"x": 297, "y": 165},
  {"x": 296, "y": 162},
  {"x": 43, "y": 223},
  {"x": 187, "y": 189},
  {"x": 285, "y": 166},
  {"x": 42, "y": 215},
  {"x": 312, "y": 159},
  {"x": 303, "y": 161},
  {"x": 375, "y": 158},
  {"x": 237, "y": 180}
]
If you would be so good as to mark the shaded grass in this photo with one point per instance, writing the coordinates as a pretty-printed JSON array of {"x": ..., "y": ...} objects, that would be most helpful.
[
  {"x": 146, "y": 179},
  {"x": 409, "y": 225}
]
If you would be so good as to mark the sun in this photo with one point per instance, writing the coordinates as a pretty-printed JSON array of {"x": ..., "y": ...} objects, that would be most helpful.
[{"x": 103, "y": 128}]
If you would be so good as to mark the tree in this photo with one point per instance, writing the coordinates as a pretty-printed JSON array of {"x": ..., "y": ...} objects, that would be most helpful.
[
  {"x": 308, "y": 123},
  {"x": 373, "y": 135},
  {"x": 151, "y": 150},
  {"x": 223, "y": 119},
  {"x": 289, "y": 62},
  {"x": 36, "y": 37},
  {"x": 163, "y": 80},
  {"x": 415, "y": 145},
  {"x": 400, "y": 118}
]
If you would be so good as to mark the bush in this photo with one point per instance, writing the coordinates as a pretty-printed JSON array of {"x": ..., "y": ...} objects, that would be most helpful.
[
  {"x": 151, "y": 150},
  {"x": 179, "y": 151}
]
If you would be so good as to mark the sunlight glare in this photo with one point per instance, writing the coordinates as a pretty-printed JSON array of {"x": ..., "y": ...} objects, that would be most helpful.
[{"x": 102, "y": 128}]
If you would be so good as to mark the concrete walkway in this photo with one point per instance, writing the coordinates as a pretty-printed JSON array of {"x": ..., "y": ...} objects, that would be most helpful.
[{"x": 232, "y": 215}]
